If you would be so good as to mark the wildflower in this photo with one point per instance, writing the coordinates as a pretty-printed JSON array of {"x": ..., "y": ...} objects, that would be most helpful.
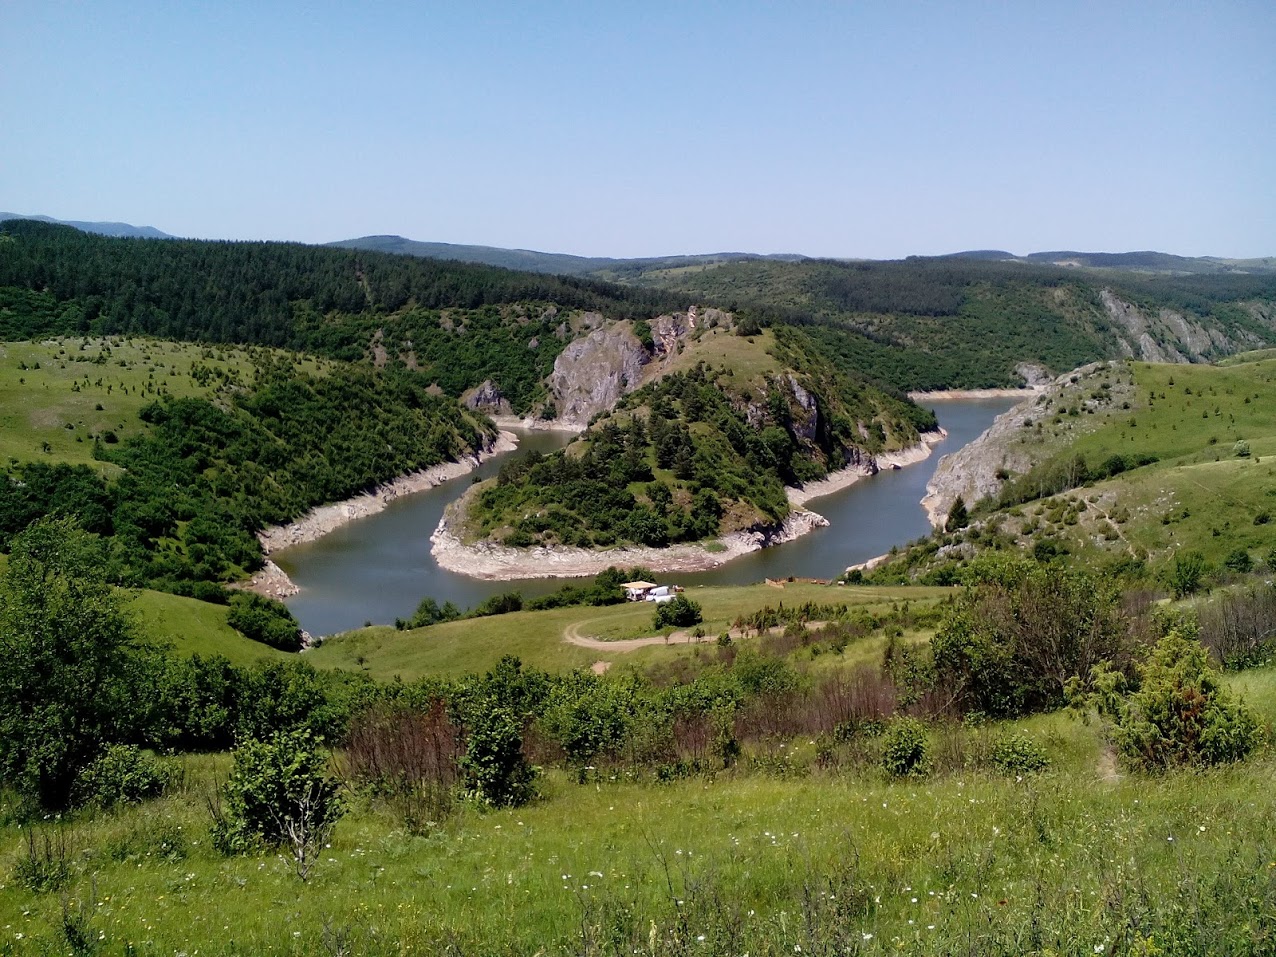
[{"x": 868, "y": 936}]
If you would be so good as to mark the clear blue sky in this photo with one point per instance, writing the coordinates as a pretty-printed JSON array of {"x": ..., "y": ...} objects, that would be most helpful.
[{"x": 626, "y": 129}]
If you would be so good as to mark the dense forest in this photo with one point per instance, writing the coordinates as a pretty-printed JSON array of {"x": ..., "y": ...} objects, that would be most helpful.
[
  {"x": 934, "y": 323},
  {"x": 333, "y": 302}
]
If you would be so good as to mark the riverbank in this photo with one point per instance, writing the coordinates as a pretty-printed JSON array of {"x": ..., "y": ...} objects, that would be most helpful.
[
  {"x": 942, "y": 395},
  {"x": 533, "y": 424},
  {"x": 274, "y": 582},
  {"x": 492, "y": 562},
  {"x": 845, "y": 478}
]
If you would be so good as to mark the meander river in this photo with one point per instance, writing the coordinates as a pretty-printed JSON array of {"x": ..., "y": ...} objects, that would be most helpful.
[{"x": 378, "y": 568}]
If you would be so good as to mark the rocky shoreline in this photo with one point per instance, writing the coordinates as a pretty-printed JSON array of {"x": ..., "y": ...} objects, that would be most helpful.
[
  {"x": 845, "y": 478},
  {"x": 492, "y": 562},
  {"x": 274, "y": 582}
]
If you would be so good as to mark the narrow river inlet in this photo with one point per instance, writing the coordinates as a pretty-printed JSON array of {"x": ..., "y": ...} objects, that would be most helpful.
[{"x": 379, "y": 568}]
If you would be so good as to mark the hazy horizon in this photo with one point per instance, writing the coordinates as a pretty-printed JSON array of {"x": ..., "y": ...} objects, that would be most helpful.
[{"x": 873, "y": 131}]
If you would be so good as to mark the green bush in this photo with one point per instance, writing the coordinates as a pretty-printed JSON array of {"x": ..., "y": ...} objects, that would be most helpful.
[
  {"x": 682, "y": 612},
  {"x": 264, "y": 619},
  {"x": 278, "y": 793},
  {"x": 906, "y": 749},
  {"x": 1180, "y": 714},
  {"x": 124, "y": 774},
  {"x": 1018, "y": 754},
  {"x": 495, "y": 771},
  {"x": 1187, "y": 574}
]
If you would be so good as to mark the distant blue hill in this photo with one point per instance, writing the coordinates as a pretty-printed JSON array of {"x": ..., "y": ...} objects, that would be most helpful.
[{"x": 104, "y": 229}]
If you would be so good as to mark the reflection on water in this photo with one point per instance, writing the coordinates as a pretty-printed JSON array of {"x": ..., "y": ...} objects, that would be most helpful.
[{"x": 378, "y": 569}]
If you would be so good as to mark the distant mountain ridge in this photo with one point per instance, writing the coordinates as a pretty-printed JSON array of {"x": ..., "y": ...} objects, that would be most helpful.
[
  {"x": 1140, "y": 261},
  {"x": 102, "y": 229},
  {"x": 530, "y": 260}
]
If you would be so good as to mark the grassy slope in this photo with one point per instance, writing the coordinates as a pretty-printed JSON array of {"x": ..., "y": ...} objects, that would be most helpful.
[
  {"x": 1209, "y": 495},
  {"x": 537, "y": 636},
  {"x": 191, "y": 627},
  {"x": 39, "y": 406},
  {"x": 964, "y": 862},
  {"x": 1199, "y": 494}
]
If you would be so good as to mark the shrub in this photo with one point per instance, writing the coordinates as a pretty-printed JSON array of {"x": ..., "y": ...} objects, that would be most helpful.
[
  {"x": 495, "y": 770},
  {"x": 1187, "y": 575},
  {"x": 1181, "y": 715},
  {"x": 682, "y": 612},
  {"x": 1239, "y": 561},
  {"x": 1019, "y": 754},
  {"x": 906, "y": 749},
  {"x": 279, "y": 794},
  {"x": 264, "y": 619},
  {"x": 124, "y": 774}
]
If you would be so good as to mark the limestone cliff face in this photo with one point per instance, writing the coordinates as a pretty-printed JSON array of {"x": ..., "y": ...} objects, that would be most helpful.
[
  {"x": 1168, "y": 336},
  {"x": 592, "y": 373},
  {"x": 1010, "y": 446}
]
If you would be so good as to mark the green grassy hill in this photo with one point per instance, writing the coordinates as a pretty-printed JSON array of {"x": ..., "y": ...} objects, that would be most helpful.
[
  {"x": 58, "y": 395},
  {"x": 1212, "y": 488}
]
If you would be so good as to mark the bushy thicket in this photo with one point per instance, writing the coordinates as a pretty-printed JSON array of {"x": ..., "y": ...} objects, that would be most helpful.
[{"x": 207, "y": 475}]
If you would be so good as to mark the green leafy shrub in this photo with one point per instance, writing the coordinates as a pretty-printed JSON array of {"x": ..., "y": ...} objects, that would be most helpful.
[
  {"x": 278, "y": 793},
  {"x": 1180, "y": 715},
  {"x": 264, "y": 619},
  {"x": 1018, "y": 754},
  {"x": 906, "y": 749},
  {"x": 1187, "y": 574},
  {"x": 494, "y": 769},
  {"x": 124, "y": 774},
  {"x": 682, "y": 612}
]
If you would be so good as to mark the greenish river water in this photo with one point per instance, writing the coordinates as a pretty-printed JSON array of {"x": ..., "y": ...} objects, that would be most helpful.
[{"x": 378, "y": 568}]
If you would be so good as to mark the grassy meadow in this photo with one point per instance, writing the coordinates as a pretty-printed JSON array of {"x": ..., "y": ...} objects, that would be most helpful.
[
  {"x": 776, "y": 856},
  {"x": 57, "y": 395},
  {"x": 537, "y": 637}
]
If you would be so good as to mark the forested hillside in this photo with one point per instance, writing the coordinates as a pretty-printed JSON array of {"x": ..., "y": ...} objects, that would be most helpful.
[
  {"x": 700, "y": 451},
  {"x": 921, "y": 324},
  {"x": 458, "y": 324},
  {"x": 212, "y": 452}
]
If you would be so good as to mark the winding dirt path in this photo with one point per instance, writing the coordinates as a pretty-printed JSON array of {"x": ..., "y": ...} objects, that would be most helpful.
[{"x": 572, "y": 635}]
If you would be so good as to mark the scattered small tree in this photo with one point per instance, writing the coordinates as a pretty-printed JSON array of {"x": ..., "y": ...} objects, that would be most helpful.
[
  {"x": 681, "y": 612},
  {"x": 279, "y": 795},
  {"x": 1186, "y": 575},
  {"x": 67, "y": 662},
  {"x": 495, "y": 771},
  {"x": 958, "y": 516},
  {"x": 264, "y": 619},
  {"x": 906, "y": 749}
]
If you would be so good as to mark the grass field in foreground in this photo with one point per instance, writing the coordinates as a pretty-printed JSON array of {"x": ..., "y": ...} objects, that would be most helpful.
[
  {"x": 475, "y": 645},
  {"x": 1074, "y": 861}
]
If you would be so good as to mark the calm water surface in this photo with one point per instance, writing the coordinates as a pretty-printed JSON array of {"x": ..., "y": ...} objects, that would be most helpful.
[{"x": 378, "y": 569}]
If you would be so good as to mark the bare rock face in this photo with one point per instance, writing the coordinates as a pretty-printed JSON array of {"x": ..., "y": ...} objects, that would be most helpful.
[
  {"x": 592, "y": 373},
  {"x": 1167, "y": 335},
  {"x": 807, "y": 422},
  {"x": 486, "y": 398},
  {"x": 1034, "y": 374}
]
